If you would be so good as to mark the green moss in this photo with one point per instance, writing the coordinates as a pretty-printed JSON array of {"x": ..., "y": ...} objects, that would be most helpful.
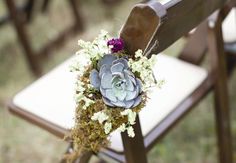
[{"x": 89, "y": 135}]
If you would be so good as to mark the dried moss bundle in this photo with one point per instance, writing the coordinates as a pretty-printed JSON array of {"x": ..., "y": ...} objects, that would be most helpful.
[
  {"x": 89, "y": 135},
  {"x": 110, "y": 92}
]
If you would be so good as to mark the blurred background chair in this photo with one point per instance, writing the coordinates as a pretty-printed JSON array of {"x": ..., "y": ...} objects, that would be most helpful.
[
  {"x": 41, "y": 104},
  {"x": 26, "y": 8},
  {"x": 33, "y": 57}
]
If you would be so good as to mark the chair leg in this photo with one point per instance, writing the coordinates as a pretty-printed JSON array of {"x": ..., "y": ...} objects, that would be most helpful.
[
  {"x": 45, "y": 5},
  {"x": 29, "y": 10},
  {"x": 68, "y": 150},
  {"x": 222, "y": 112},
  {"x": 83, "y": 159},
  {"x": 77, "y": 15},
  {"x": 223, "y": 127},
  {"x": 18, "y": 23},
  {"x": 134, "y": 147}
]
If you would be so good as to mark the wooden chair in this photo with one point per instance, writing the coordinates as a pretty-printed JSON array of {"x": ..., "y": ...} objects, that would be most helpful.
[
  {"x": 33, "y": 57},
  {"x": 198, "y": 41},
  {"x": 153, "y": 27},
  {"x": 25, "y": 8}
]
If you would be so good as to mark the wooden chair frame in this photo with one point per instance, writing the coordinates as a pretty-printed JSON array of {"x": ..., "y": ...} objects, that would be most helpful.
[
  {"x": 25, "y": 8},
  {"x": 216, "y": 79},
  {"x": 34, "y": 58},
  {"x": 199, "y": 43},
  {"x": 136, "y": 149}
]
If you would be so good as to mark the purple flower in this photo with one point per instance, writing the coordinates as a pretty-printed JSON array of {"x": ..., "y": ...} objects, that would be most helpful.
[{"x": 117, "y": 44}]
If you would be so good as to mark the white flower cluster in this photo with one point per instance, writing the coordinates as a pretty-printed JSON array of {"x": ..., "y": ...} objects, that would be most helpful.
[
  {"x": 129, "y": 128},
  {"x": 144, "y": 66},
  {"x": 101, "y": 117},
  {"x": 90, "y": 51},
  {"x": 95, "y": 50},
  {"x": 107, "y": 127},
  {"x": 131, "y": 115},
  {"x": 80, "y": 96},
  {"x": 87, "y": 102},
  {"x": 131, "y": 121},
  {"x": 80, "y": 63}
]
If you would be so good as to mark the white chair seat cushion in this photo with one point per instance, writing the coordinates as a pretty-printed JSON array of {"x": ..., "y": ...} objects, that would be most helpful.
[
  {"x": 229, "y": 27},
  {"x": 51, "y": 97}
]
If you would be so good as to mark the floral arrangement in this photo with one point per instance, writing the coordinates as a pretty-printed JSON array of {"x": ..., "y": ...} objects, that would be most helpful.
[{"x": 111, "y": 89}]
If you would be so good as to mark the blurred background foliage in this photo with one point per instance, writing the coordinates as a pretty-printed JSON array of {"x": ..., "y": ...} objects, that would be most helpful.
[{"x": 193, "y": 140}]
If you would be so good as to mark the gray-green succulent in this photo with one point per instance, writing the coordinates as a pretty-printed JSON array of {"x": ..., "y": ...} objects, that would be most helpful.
[{"x": 117, "y": 84}]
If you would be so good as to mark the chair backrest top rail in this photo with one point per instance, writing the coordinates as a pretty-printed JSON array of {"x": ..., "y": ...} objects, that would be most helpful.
[{"x": 153, "y": 26}]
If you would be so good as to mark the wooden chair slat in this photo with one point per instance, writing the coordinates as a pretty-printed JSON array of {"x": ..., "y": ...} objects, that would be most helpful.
[
  {"x": 148, "y": 25},
  {"x": 182, "y": 15}
]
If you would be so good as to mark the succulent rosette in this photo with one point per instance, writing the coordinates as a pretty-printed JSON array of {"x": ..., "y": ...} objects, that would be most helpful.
[{"x": 117, "y": 84}]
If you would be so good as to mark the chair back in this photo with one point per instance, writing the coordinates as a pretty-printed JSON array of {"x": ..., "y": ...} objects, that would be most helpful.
[{"x": 153, "y": 26}]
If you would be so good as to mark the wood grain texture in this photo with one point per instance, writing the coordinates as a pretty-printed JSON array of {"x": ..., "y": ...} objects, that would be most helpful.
[
  {"x": 149, "y": 25},
  {"x": 134, "y": 147},
  {"x": 195, "y": 49},
  {"x": 222, "y": 111},
  {"x": 23, "y": 37},
  {"x": 141, "y": 24},
  {"x": 34, "y": 57},
  {"x": 190, "y": 13}
]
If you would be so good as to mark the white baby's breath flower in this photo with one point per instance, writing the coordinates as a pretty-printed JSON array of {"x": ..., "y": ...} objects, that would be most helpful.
[
  {"x": 103, "y": 33},
  {"x": 81, "y": 43},
  {"x": 125, "y": 112},
  {"x": 144, "y": 67},
  {"x": 88, "y": 102},
  {"x": 78, "y": 97},
  {"x": 80, "y": 62},
  {"x": 79, "y": 86},
  {"x": 100, "y": 117},
  {"x": 90, "y": 86},
  {"x": 131, "y": 115},
  {"x": 122, "y": 128},
  {"x": 138, "y": 53},
  {"x": 97, "y": 49},
  {"x": 107, "y": 127},
  {"x": 84, "y": 107},
  {"x": 130, "y": 131}
]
